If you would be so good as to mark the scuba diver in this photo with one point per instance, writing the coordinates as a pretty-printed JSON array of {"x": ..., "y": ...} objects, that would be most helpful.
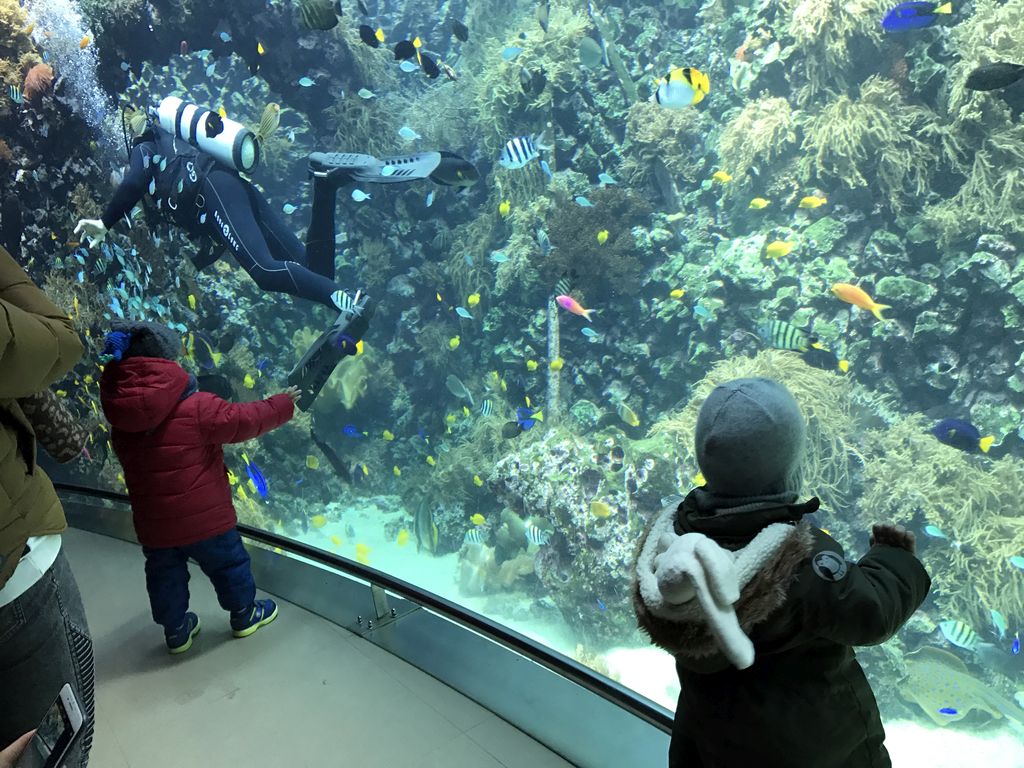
[{"x": 189, "y": 159}]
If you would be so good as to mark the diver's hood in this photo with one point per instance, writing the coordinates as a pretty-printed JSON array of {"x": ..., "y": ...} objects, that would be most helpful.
[
  {"x": 699, "y": 600},
  {"x": 139, "y": 394}
]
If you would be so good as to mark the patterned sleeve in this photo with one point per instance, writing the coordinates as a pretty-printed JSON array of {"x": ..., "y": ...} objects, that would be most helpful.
[{"x": 58, "y": 430}]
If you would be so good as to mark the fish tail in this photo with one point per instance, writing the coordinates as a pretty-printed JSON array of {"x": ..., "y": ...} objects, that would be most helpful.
[
  {"x": 945, "y": 8},
  {"x": 986, "y": 442},
  {"x": 876, "y": 310},
  {"x": 587, "y": 313}
]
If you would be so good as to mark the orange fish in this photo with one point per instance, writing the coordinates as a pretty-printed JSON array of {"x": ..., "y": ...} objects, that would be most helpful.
[
  {"x": 84, "y": 42},
  {"x": 857, "y": 296},
  {"x": 569, "y": 304}
]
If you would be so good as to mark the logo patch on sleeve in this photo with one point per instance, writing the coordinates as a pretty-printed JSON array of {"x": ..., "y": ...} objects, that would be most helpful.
[{"x": 829, "y": 566}]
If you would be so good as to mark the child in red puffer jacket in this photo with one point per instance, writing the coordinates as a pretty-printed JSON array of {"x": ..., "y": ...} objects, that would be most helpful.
[{"x": 168, "y": 437}]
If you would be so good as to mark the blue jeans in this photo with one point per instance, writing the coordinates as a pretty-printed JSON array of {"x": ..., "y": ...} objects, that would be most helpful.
[
  {"x": 44, "y": 643},
  {"x": 224, "y": 561}
]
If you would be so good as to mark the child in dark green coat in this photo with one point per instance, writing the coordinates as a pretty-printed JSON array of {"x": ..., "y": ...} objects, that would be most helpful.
[{"x": 761, "y": 609}]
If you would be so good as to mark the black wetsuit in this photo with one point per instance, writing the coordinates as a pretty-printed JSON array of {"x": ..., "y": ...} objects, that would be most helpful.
[{"x": 206, "y": 198}]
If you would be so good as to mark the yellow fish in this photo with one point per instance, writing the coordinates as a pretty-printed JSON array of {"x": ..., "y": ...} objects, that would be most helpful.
[
  {"x": 222, "y": 112},
  {"x": 403, "y": 538},
  {"x": 388, "y": 435},
  {"x": 844, "y": 366},
  {"x": 557, "y": 364},
  {"x": 192, "y": 302},
  {"x": 366, "y": 470},
  {"x": 75, "y": 302},
  {"x": 531, "y": 365},
  {"x": 602, "y": 237},
  {"x": 779, "y": 248},
  {"x": 336, "y": 540},
  {"x": 397, "y": 471},
  {"x": 758, "y": 203},
  {"x": 721, "y": 177},
  {"x": 812, "y": 201},
  {"x": 84, "y": 43},
  {"x": 677, "y": 293},
  {"x": 260, "y": 49},
  {"x": 120, "y": 479},
  {"x": 450, "y": 418},
  {"x": 249, "y": 381},
  {"x": 312, "y": 462},
  {"x": 453, "y": 342},
  {"x": 62, "y": 393},
  {"x": 88, "y": 380},
  {"x": 29, "y": 28},
  {"x": 473, "y": 299},
  {"x": 600, "y": 509},
  {"x": 698, "y": 479},
  {"x": 431, "y": 461},
  {"x": 477, "y": 481},
  {"x": 465, "y": 411},
  {"x": 628, "y": 415},
  {"x": 318, "y": 521},
  {"x": 241, "y": 493},
  {"x": 477, "y": 519},
  {"x": 363, "y": 554},
  {"x": 232, "y": 478},
  {"x": 505, "y": 208},
  {"x": 526, "y": 399},
  {"x": 439, "y": 297}
]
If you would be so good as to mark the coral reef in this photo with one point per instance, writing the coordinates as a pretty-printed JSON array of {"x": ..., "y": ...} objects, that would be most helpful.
[{"x": 872, "y": 137}]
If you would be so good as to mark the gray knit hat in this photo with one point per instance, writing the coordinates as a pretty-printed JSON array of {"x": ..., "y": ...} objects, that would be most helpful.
[
  {"x": 150, "y": 340},
  {"x": 750, "y": 439}
]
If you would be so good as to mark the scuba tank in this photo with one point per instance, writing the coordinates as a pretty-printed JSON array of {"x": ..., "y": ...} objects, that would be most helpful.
[{"x": 227, "y": 140}]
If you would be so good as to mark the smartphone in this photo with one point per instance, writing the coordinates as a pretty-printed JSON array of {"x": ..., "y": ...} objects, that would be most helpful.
[{"x": 58, "y": 730}]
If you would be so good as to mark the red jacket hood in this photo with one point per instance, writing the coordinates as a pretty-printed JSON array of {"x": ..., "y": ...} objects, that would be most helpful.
[{"x": 139, "y": 394}]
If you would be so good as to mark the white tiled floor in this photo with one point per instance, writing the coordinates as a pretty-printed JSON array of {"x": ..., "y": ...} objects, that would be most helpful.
[{"x": 300, "y": 692}]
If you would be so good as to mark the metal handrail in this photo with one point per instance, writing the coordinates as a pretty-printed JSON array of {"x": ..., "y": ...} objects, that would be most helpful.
[{"x": 562, "y": 665}]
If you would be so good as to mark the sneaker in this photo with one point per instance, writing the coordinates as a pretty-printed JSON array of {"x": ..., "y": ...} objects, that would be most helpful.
[
  {"x": 180, "y": 640},
  {"x": 244, "y": 623}
]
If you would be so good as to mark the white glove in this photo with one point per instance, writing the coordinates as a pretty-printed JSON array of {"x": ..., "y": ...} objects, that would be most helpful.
[{"x": 94, "y": 229}]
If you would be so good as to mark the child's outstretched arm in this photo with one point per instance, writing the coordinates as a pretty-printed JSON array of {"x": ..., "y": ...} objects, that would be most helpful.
[
  {"x": 875, "y": 596},
  {"x": 223, "y": 422}
]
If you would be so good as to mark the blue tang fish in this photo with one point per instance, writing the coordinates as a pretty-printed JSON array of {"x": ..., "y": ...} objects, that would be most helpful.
[
  {"x": 259, "y": 482},
  {"x": 915, "y": 14},
  {"x": 963, "y": 435}
]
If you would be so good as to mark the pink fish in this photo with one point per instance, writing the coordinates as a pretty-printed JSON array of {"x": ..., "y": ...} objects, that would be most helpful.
[{"x": 570, "y": 304}]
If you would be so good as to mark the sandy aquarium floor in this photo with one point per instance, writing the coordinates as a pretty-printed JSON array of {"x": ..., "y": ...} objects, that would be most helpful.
[{"x": 648, "y": 671}]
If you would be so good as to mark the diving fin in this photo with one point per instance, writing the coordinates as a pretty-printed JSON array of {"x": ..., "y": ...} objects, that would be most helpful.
[{"x": 334, "y": 345}]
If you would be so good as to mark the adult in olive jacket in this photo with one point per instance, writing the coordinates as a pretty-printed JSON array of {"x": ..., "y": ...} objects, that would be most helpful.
[
  {"x": 761, "y": 609},
  {"x": 44, "y": 638}
]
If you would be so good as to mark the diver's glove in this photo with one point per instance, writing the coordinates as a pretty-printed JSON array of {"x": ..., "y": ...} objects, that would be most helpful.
[{"x": 94, "y": 229}]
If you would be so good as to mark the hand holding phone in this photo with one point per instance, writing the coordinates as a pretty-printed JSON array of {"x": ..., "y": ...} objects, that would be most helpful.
[
  {"x": 13, "y": 752},
  {"x": 58, "y": 730}
]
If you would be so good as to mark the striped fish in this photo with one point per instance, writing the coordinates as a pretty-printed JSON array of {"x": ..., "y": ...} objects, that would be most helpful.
[
  {"x": 475, "y": 536},
  {"x": 486, "y": 408},
  {"x": 782, "y": 335},
  {"x": 959, "y": 634},
  {"x": 535, "y": 535},
  {"x": 518, "y": 152},
  {"x": 15, "y": 93}
]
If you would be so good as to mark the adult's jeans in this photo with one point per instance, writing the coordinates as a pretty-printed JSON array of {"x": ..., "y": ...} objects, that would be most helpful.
[{"x": 45, "y": 643}]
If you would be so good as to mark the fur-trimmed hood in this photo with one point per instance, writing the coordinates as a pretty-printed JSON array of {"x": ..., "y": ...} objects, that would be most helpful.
[{"x": 699, "y": 601}]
